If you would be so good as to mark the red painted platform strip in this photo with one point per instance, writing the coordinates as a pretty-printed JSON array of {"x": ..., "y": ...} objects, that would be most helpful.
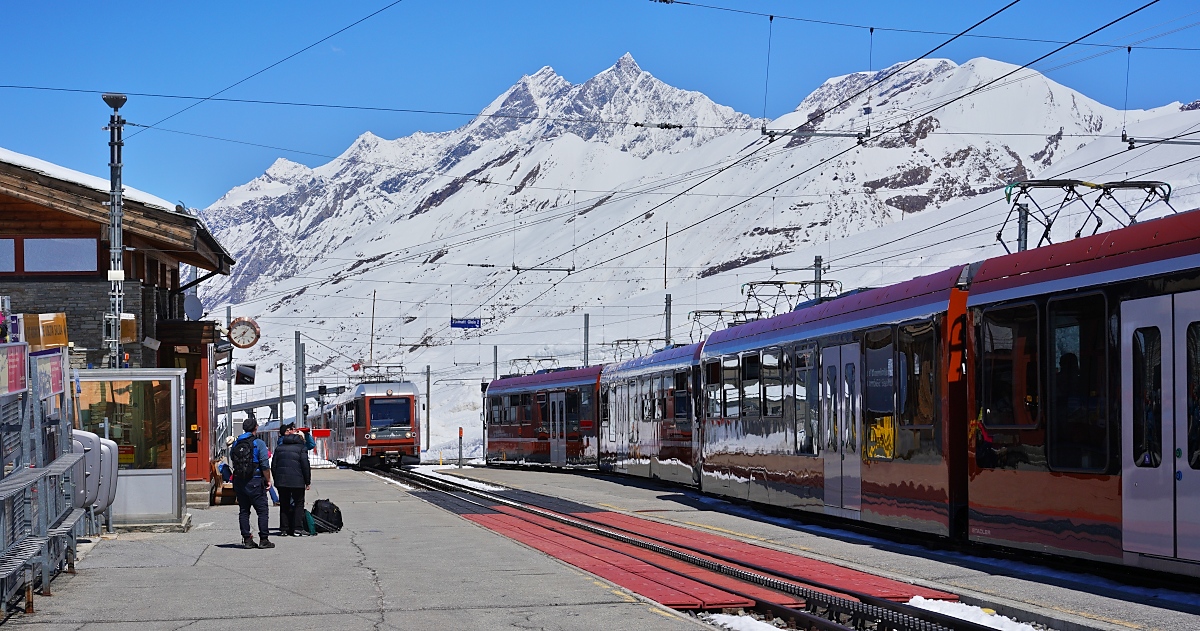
[
  {"x": 673, "y": 565},
  {"x": 790, "y": 565},
  {"x": 631, "y": 573}
]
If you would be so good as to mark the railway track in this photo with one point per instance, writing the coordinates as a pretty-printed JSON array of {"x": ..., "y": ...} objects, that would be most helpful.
[{"x": 801, "y": 602}]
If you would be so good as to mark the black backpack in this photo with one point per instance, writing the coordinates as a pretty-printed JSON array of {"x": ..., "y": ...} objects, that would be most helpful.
[
  {"x": 327, "y": 516},
  {"x": 241, "y": 455}
]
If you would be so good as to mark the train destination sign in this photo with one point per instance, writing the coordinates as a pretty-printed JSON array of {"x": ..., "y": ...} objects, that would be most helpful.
[{"x": 465, "y": 323}]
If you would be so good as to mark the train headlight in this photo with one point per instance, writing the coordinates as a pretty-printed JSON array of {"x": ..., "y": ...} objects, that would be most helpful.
[
  {"x": 408, "y": 434},
  {"x": 370, "y": 436}
]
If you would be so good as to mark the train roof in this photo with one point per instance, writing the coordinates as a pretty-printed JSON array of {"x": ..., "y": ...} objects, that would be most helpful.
[
  {"x": 917, "y": 298},
  {"x": 379, "y": 389},
  {"x": 1148, "y": 248},
  {"x": 556, "y": 378},
  {"x": 675, "y": 358}
]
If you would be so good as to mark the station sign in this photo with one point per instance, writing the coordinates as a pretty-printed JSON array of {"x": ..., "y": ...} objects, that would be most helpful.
[
  {"x": 465, "y": 323},
  {"x": 42, "y": 331},
  {"x": 14, "y": 371}
]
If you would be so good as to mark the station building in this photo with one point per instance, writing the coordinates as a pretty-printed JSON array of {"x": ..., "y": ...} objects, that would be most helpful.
[{"x": 54, "y": 259}]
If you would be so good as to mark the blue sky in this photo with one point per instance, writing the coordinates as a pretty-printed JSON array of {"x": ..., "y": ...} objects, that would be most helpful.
[{"x": 458, "y": 55}]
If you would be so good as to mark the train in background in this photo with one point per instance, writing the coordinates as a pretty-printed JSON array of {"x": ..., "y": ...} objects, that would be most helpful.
[
  {"x": 1046, "y": 400},
  {"x": 370, "y": 424}
]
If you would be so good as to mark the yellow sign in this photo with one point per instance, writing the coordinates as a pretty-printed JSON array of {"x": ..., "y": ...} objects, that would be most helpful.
[
  {"x": 44, "y": 331},
  {"x": 128, "y": 328}
]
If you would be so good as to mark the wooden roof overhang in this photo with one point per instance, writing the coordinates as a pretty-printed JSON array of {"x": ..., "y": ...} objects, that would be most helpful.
[{"x": 183, "y": 235}]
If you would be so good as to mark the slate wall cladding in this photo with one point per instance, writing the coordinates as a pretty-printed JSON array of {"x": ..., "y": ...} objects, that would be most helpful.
[{"x": 85, "y": 303}]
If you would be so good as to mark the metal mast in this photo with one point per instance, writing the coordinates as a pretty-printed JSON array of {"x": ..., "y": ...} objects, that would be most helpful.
[{"x": 116, "y": 247}]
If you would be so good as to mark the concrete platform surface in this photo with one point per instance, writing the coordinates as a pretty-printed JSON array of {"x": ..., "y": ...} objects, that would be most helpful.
[
  {"x": 1058, "y": 599},
  {"x": 400, "y": 563}
]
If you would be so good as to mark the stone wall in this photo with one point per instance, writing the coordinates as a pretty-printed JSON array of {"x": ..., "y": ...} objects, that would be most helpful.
[{"x": 85, "y": 302}]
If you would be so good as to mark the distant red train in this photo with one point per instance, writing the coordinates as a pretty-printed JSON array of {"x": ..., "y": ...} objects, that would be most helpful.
[{"x": 1046, "y": 400}]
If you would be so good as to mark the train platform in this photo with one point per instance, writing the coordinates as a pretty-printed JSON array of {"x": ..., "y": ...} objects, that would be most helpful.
[
  {"x": 1051, "y": 598},
  {"x": 399, "y": 563}
]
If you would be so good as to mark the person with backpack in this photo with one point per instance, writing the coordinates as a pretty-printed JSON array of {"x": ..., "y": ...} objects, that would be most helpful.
[
  {"x": 251, "y": 479},
  {"x": 293, "y": 476}
]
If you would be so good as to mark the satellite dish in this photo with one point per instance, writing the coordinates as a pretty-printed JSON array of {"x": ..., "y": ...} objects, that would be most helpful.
[{"x": 192, "y": 307}]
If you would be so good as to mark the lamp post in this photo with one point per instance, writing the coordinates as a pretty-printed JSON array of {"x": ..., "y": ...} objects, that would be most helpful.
[{"x": 116, "y": 248}]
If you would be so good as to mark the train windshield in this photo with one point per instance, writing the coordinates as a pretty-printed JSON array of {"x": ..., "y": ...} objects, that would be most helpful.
[{"x": 388, "y": 413}]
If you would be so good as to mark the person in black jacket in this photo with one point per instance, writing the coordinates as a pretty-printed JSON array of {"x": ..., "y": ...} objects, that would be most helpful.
[{"x": 291, "y": 473}]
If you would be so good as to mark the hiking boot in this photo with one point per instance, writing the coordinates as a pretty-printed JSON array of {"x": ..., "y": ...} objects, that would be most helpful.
[
  {"x": 248, "y": 543},
  {"x": 263, "y": 542}
]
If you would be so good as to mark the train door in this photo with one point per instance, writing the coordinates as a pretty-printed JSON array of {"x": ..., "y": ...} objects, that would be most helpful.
[
  {"x": 841, "y": 416},
  {"x": 558, "y": 428},
  {"x": 1160, "y": 425}
]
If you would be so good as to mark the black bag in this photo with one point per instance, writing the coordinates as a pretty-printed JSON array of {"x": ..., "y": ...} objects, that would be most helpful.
[
  {"x": 241, "y": 455},
  {"x": 327, "y": 516}
]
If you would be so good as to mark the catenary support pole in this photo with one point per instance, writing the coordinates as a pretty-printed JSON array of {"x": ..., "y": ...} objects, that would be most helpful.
[
  {"x": 279, "y": 415},
  {"x": 495, "y": 363},
  {"x": 460, "y": 448},
  {"x": 299, "y": 385},
  {"x": 585, "y": 340},
  {"x": 229, "y": 372},
  {"x": 817, "y": 263},
  {"x": 428, "y": 406},
  {"x": 668, "y": 322},
  {"x": 1022, "y": 227}
]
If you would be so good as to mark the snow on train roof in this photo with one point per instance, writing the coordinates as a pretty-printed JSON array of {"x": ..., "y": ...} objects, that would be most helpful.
[
  {"x": 667, "y": 359},
  {"x": 1150, "y": 247},
  {"x": 916, "y": 298},
  {"x": 570, "y": 377}
]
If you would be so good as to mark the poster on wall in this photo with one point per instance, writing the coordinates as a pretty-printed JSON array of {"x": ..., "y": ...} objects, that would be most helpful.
[
  {"x": 14, "y": 376},
  {"x": 48, "y": 370}
]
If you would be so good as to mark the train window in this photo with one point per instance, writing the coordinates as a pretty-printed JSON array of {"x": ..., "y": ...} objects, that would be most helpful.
[
  {"x": 388, "y": 413},
  {"x": 527, "y": 406},
  {"x": 1011, "y": 392},
  {"x": 916, "y": 346},
  {"x": 660, "y": 398},
  {"x": 1077, "y": 380},
  {"x": 712, "y": 389},
  {"x": 879, "y": 406},
  {"x": 806, "y": 403},
  {"x": 1193, "y": 394},
  {"x": 682, "y": 400},
  {"x": 1147, "y": 397},
  {"x": 572, "y": 412},
  {"x": 729, "y": 386},
  {"x": 494, "y": 411},
  {"x": 772, "y": 378},
  {"x": 751, "y": 385},
  {"x": 514, "y": 406}
]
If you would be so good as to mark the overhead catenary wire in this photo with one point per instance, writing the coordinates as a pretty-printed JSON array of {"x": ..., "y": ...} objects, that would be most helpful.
[{"x": 255, "y": 74}]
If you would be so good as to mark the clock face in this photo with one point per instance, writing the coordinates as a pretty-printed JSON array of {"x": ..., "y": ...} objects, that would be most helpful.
[{"x": 243, "y": 332}]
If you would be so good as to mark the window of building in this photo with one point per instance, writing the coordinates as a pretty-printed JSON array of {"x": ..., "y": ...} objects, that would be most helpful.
[
  {"x": 772, "y": 379},
  {"x": 1077, "y": 380},
  {"x": 1011, "y": 391},
  {"x": 916, "y": 346},
  {"x": 751, "y": 384},
  {"x": 60, "y": 255},
  {"x": 806, "y": 403},
  {"x": 139, "y": 415},
  {"x": 1193, "y": 394},
  {"x": 729, "y": 386},
  {"x": 879, "y": 406},
  {"x": 8, "y": 255},
  {"x": 1147, "y": 397}
]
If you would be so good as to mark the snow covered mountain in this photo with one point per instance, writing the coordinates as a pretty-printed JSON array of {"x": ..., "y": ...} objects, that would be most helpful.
[{"x": 555, "y": 175}]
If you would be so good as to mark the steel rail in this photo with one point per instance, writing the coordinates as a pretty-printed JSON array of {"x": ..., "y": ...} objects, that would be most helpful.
[{"x": 867, "y": 612}]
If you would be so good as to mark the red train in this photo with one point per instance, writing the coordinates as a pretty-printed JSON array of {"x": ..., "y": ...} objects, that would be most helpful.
[{"x": 1046, "y": 400}]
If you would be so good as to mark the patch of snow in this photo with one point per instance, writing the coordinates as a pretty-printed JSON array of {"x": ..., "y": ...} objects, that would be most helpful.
[
  {"x": 739, "y": 623},
  {"x": 970, "y": 614},
  {"x": 432, "y": 471}
]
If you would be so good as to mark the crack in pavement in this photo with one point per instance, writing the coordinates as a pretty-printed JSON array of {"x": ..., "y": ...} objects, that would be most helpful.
[{"x": 362, "y": 562}]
